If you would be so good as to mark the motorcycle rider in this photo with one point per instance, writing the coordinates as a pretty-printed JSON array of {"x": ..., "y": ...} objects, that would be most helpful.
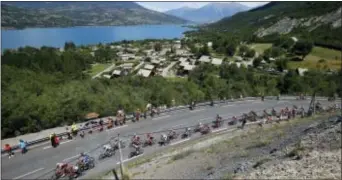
[
  {"x": 64, "y": 168},
  {"x": 163, "y": 138},
  {"x": 107, "y": 148},
  {"x": 149, "y": 138},
  {"x": 218, "y": 120},
  {"x": 172, "y": 134},
  {"x": 84, "y": 158},
  {"x": 244, "y": 121},
  {"x": 187, "y": 131},
  {"x": 274, "y": 112},
  {"x": 135, "y": 139}
]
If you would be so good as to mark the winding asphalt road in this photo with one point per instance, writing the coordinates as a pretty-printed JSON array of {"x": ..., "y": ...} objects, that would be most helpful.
[{"x": 38, "y": 162}]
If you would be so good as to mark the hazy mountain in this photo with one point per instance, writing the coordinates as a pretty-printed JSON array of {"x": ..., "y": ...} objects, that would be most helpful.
[
  {"x": 209, "y": 13},
  {"x": 56, "y": 14}
]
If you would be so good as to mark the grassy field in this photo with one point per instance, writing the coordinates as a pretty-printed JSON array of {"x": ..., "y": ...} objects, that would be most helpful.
[
  {"x": 96, "y": 68},
  {"x": 260, "y": 47},
  {"x": 332, "y": 59}
]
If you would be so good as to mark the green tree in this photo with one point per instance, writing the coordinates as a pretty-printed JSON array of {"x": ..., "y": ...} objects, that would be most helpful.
[
  {"x": 302, "y": 48},
  {"x": 157, "y": 47},
  {"x": 257, "y": 62},
  {"x": 230, "y": 49},
  {"x": 250, "y": 53},
  {"x": 69, "y": 45},
  {"x": 281, "y": 64}
]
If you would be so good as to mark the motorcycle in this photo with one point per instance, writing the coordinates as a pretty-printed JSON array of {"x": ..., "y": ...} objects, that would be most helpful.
[
  {"x": 173, "y": 136},
  {"x": 115, "y": 146},
  {"x": 82, "y": 134},
  {"x": 136, "y": 152},
  {"x": 186, "y": 134},
  {"x": 107, "y": 153},
  {"x": 86, "y": 166},
  {"x": 164, "y": 142},
  {"x": 217, "y": 123},
  {"x": 232, "y": 122},
  {"x": 76, "y": 172},
  {"x": 205, "y": 130},
  {"x": 197, "y": 128},
  {"x": 149, "y": 142},
  {"x": 74, "y": 132}
]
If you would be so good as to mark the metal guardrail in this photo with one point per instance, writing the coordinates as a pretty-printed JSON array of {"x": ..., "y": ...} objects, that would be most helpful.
[{"x": 130, "y": 116}]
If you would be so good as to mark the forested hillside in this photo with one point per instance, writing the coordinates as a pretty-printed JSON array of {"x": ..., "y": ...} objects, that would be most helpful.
[
  {"x": 317, "y": 21},
  {"x": 65, "y": 14},
  {"x": 44, "y": 88}
]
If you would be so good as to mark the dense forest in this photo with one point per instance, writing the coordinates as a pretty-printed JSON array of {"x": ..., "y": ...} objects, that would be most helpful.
[{"x": 46, "y": 87}]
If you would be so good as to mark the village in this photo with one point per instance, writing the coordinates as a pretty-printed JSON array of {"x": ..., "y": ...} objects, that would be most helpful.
[{"x": 171, "y": 58}]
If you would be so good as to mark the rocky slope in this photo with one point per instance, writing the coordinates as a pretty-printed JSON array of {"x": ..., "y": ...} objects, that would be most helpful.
[
  {"x": 57, "y": 14},
  {"x": 305, "y": 148},
  {"x": 319, "y": 21}
]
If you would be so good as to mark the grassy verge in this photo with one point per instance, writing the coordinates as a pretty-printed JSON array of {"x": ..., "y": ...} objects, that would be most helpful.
[
  {"x": 260, "y": 47},
  {"x": 96, "y": 68},
  {"x": 319, "y": 58}
]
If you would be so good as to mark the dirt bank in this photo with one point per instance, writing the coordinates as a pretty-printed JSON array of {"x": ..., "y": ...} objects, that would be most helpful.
[{"x": 305, "y": 148}]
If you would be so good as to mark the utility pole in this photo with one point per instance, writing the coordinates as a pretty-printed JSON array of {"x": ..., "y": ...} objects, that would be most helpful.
[
  {"x": 121, "y": 166},
  {"x": 115, "y": 174},
  {"x": 312, "y": 103}
]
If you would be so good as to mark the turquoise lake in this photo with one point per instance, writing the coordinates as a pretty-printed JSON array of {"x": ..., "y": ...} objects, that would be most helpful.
[{"x": 56, "y": 37}]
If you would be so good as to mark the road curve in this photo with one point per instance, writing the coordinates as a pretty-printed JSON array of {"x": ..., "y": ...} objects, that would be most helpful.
[{"x": 42, "y": 160}]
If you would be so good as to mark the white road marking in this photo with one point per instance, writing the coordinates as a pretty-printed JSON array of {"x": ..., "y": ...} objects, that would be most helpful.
[
  {"x": 197, "y": 110},
  {"x": 161, "y": 117},
  {"x": 180, "y": 141},
  {"x": 70, "y": 158},
  {"x": 47, "y": 147},
  {"x": 116, "y": 128},
  {"x": 28, "y": 173},
  {"x": 228, "y": 105},
  {"x": 65, "y": 142},
  {"x": 218, "y": 130},
  {"x": 130, "y": 158}
]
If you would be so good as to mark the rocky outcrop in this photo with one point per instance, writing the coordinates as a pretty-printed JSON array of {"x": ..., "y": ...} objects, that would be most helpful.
[{"x": 286, "y": 25}]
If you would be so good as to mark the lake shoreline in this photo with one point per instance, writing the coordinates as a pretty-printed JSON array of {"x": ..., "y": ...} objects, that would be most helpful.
[
  {"x": 87, "y": 35},
  {"x": 87, "y": 26}
]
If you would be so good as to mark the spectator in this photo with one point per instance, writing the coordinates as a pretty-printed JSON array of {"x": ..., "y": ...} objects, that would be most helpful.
[{"x": 8, "y": 149}]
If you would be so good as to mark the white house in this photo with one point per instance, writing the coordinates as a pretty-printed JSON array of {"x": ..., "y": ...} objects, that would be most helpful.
[
  {"x": 144, "y": 72},
  {"x": 148, "y": 66},
  {"x": 210, "y": 44},
  {"x": 116, "y": 72},
  {"x": 301, "y": 71},
  {"x": 106, "y": 76},
  {"x": 216, "y": 61},
  {"x": 204, "y": 59}
]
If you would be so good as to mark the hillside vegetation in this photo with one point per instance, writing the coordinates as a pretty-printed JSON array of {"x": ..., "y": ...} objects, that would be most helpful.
[
  {"x": 65, "y": 14},
  {"x": 44, "y": 88},
  {"x": 319, "y": 21}
]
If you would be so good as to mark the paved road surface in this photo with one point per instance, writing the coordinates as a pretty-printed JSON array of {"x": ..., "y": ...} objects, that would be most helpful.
[{"x": 43, "y": 159}]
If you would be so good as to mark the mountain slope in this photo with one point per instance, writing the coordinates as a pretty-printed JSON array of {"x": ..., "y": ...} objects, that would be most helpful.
[
  {"x": 209, "y": 13},
  {"x": 320, "y": 21},
  {"x": 56, "y": 14}
]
